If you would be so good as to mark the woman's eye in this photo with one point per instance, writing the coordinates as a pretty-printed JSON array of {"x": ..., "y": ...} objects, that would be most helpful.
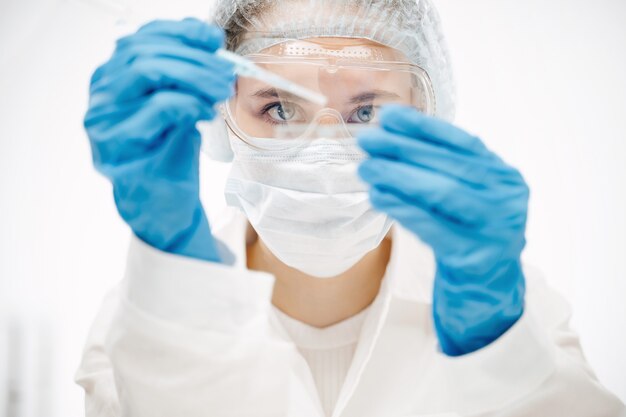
[
  {"x": 363, "y": 114},
  {"x": 282, "y": 112}
]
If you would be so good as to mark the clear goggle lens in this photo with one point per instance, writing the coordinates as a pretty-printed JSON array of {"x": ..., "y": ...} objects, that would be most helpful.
[{"x": 357, "y": 81}]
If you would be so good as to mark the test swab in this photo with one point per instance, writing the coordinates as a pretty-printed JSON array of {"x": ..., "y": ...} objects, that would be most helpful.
[{"x": 247, "y": 68}]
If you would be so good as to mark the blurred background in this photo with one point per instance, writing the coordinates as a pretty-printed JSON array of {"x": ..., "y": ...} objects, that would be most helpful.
[{"x": 542, "y": 82}]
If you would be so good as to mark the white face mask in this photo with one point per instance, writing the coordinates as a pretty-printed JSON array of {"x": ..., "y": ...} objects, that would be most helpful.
[{"x": 307, "y": 203}]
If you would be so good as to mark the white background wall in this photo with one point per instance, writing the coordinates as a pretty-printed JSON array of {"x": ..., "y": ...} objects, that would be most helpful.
[{"x": 542, "y": 82}]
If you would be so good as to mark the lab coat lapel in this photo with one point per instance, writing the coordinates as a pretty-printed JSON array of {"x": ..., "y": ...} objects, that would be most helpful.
[{"x": 406, "y": 293}]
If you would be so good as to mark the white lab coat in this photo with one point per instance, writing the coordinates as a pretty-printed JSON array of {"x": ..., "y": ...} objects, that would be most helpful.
[{"x": 187, "y": 338}]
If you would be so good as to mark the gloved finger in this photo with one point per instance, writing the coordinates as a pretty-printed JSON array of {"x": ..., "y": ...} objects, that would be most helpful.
[
  {"x": 155, "y": 47},
  {"x": 190, "y": 31},
  {"x": 459, "y": 245},
  {"x": 476, "y": 170},
  {"x": 441, "y": 194},
  {"x": 138, "y": 44},
  {"x": 409, "y": 121},
  {"x": 144, "y": 76},
  {"x": 177, "y": 158},
  {"x": 121, "y": 136},
  {"x": 431, "y": 229},
  {"x": 448, "y": 239}
]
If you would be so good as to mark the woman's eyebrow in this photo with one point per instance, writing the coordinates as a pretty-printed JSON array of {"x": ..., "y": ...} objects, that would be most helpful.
[
  {"x": 371, "y": 95},
  {"x": 272, "y": 92}
]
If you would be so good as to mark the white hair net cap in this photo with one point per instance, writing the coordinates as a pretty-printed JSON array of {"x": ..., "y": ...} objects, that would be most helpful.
[{"x": 410, "y": 26}]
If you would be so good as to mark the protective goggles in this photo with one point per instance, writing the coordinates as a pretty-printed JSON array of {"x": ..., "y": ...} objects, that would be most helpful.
[{"x": 356, "y": 76}]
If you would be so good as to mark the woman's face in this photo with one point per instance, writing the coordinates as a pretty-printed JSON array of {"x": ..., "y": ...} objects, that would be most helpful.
[{"x": 354, "y": 88}]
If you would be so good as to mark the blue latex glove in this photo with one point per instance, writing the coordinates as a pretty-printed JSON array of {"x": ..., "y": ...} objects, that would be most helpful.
[
  {"x": 445, "y": 186},
  {"x": 144, "y": 104}
]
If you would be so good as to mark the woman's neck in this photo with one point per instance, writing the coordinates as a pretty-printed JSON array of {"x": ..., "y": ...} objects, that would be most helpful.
[{"x": 321, "y": 302}]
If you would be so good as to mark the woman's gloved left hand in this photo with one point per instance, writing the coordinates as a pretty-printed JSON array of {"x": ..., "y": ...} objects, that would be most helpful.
[{"x": 461, "y": 199}]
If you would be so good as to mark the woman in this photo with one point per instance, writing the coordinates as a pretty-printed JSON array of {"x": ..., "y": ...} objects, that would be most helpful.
[{"x": 370, "y": 265}]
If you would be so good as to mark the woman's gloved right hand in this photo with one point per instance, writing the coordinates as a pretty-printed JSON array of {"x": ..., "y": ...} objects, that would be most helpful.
[{"x": 144, "y": 104}]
